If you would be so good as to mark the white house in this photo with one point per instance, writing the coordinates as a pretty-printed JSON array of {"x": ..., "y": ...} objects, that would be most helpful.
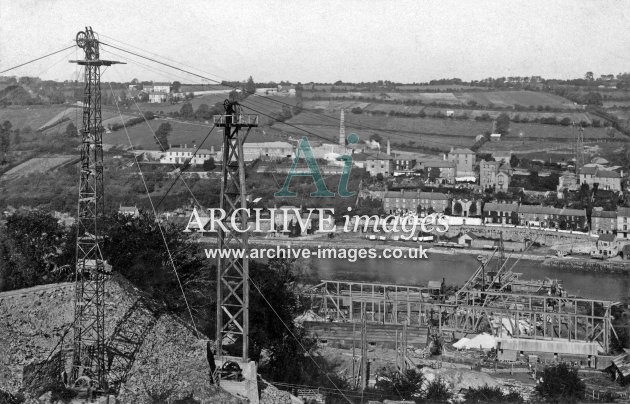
[
  {"x": 157, "y": 98},
  {"x": 162, "y": 88},
  {"x": 180, "y": 155}
]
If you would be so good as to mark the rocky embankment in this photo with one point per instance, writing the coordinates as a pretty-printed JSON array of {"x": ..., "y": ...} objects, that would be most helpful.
[{"x": 171, "y": 359}]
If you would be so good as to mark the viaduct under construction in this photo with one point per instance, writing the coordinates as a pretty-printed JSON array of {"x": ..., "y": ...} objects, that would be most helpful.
[{"x": 494, "y": 300}]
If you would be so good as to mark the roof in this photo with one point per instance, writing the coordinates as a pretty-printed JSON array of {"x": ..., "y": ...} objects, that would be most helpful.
[
  {"x": 588, "y": 170},
  {"x": 538, "y": 209},
  {"x": 188, "y": 150},
  {"x": 439, "y": 164},
  {"x": 606, "y": 237},
  {"x": 572, "y": 212},
  {"x": 461, "y": 151},
  {"x": 607, "y": 174},
  {"x": 434, "y": 285},
  {"x": 416, "y": 195},
  {"x": 622, "y": 363},
  {"x": 500, "y": 207},
  {"x": 623, "y": 211},
  {"x": 378, "y": 156},
  {"x": 269, "y": 144},
  {"x": 604, "y": 213},
  {"x": 471, "y": 235}
]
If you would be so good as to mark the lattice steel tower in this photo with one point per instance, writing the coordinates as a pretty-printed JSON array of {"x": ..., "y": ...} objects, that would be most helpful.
[
  {"x": 89, "y": 316},
  {"x": 232, "y": 272}
]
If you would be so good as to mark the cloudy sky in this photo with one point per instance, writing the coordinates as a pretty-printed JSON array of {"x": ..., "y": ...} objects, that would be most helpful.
[{"x": 325, "y": 41}]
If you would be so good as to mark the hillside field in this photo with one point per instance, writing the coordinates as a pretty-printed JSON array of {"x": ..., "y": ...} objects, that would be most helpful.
[{"x": 485, "y": 98}]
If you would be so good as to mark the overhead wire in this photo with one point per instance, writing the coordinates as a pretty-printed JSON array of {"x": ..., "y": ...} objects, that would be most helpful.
[
  {"x": 360, "y": 126},
  {"x": 159, "y": 226},
  {"x": 262, "y": 295},
  {"x": 36, "y": 59}
]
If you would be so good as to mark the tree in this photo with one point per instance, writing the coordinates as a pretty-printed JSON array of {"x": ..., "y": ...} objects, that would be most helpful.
[
  {"x": 176, "y": 86},
  {"x": 250, "y": 86},
  {"x": 5, "y": 139},
  {"x": 394, "y": 384},
  {"x": 71, "y": 130},
  {"x": 187, "y": 110},
  {"x": 472, "y": 211},
  {"x": 593, "y": 98},
  {"x": 561, "y": 384},
  {"x": 457, "y": 208},
  {"x": 161, "y": 134},
  {"x": 34, "y": 249},
  {"x": 203, "y": 112},
  {"x": 503, "y": 124},
  {"x": 209, "y": 164},
  {"x": 375, "y": 137},
  {"x": 589, "y": 76}
]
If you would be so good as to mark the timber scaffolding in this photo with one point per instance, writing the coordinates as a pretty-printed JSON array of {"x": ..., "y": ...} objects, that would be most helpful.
[{"x": 496, "y": 301}]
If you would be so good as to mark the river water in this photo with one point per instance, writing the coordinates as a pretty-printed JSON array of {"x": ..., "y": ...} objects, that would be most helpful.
[{"x": 459, "y": 267}]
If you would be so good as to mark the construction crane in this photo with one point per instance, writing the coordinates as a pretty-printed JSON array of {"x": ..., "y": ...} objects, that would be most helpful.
[{"x": 88, "y": 359}]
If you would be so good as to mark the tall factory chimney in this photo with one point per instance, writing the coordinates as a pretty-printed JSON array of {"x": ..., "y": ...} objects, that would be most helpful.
[
  {"x": 342, "y": 129},
  {"x": 389, "y": 148}
]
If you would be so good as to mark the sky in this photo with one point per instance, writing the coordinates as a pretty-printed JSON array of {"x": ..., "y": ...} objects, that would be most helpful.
[{"x": 323, "y": 41}]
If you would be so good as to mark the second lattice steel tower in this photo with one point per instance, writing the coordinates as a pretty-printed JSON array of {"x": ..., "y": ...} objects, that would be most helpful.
[{"x": 233, "y": 271}]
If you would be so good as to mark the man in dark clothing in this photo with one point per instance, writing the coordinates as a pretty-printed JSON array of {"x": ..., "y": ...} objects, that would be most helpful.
[{"x": 210, "y": 356}]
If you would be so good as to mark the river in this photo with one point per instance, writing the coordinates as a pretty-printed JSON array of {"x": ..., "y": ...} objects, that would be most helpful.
[{"x": 459, "y": 267}]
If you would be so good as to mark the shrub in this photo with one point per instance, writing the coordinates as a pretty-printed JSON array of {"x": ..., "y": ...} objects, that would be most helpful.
[
  {"x": 437, "y": 390},
  {"x": 561, "y": 384},
  {"x": 487, "y": 394}
]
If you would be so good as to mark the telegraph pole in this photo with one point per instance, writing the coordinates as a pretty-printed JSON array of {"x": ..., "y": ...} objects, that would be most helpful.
[
  {"x": 233, "y": 272},
  {"x": 89, "y": 316}
]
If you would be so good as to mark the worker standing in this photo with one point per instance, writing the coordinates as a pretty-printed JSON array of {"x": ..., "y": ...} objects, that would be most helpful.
[{"x": 210, "y": 356}]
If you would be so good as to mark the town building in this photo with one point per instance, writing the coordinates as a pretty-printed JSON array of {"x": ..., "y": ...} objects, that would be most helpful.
[
  {"x": 504, "y": 213},
  {"x": 267, "y": 151},
  {"x": 623, "y": 222},
  {"x": 379, "y": 163},
  {"x": 406, "y": 201},
  {"x": 440, "y": 171},
  {"x": 606, "y": 246},
  {"x": 403, "y": 165},
  {"x": 469, "y": 207},
  {"x": 605, "y": 179},
  {"x": 494, "y": 175},
  {"x": 603, "y": 221},
  {"x": 464, "y": 160},
  {"x": 130, "y": 211}
]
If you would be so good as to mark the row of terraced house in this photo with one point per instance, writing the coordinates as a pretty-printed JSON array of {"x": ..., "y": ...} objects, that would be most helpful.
[{"x": 615, "y": 222}]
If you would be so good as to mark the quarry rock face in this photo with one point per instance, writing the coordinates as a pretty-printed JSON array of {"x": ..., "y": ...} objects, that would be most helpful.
[{"x": 170, "y": 360}]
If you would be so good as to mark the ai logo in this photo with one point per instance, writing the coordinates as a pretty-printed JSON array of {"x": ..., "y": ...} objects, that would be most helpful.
[{"x": 304, "y": 148}]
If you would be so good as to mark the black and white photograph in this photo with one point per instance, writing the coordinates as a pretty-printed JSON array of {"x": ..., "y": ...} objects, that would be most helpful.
[{"x": 302, "y": 202}]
